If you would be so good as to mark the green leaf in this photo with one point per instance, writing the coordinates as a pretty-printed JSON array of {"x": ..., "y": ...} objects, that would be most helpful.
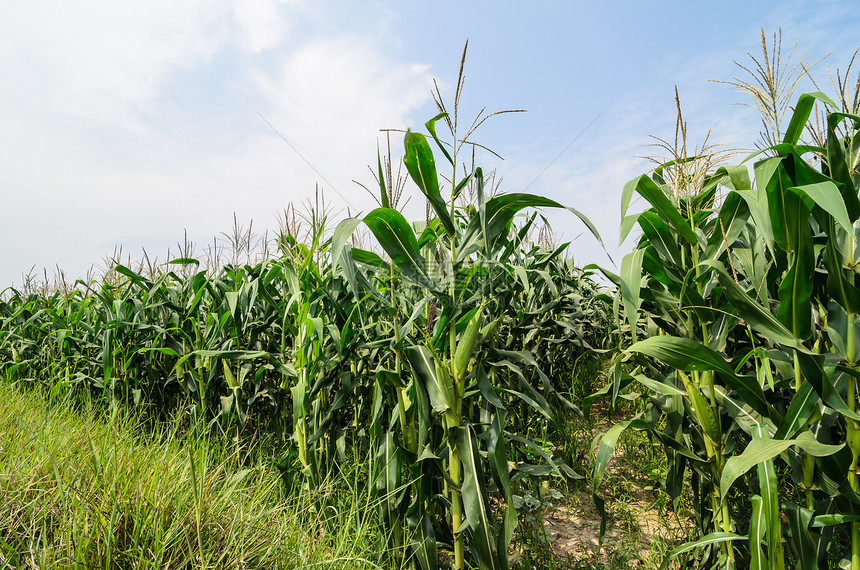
[
  {"x": 657, "y": 198},
  {"x": 769, "y": 488},
  {"x": 123, "y": 270},
  {"x": 431, "y": 128},
  {"x": 422, "y": 168},
  {"x": 762, "y": 449},
  {"x": 713, "y": 538},
  {"x": 833, "y": 519},
  {"x": 799, "y": 520},
  {"x": 439, "y": 388},
  {"x": 729, "y": 224},
  {"x": 380, "y": 178},
  {"x": 827, "y": 196},
  {"x": 424, "y": 543},
  {"x": 184, "y": 261},
  {"x": 492, "y": 226},
  {"x": 497, "y": 457},
  {"x": 660, "y": 237},
  {"x": 840, "y": 280},
  {"x": 795, "y": 292},
  {"x": 466, "y": 345},
  {"x": 800, "y": 117},
  {"x": 759, "y": 317},
  {"x": 683, "y": 354},
  {"x": 631, "y": 280},
  {"x": 658, "y": 387},
  {"x": 342, "y": 232},
  {"x": 475, "y": 503},
  {"x": 838, "y": 166},
  {"x": 706, "y": 416},
  {"x": 756, "y": 534},
  {"x": 396, "y": 237},
  {"x": 822, "y": 381},
  {"x": 800, "y": 409}
]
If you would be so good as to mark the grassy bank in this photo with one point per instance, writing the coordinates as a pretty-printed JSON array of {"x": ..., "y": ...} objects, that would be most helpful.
[{"x": 90, "y": 490}]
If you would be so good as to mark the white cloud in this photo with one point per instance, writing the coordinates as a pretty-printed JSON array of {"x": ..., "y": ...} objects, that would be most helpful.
[
  {"x": 263, "y": 23},
  {"x": 331, "y": 97},
  {"x": 99, "y": 59},
  {"x": 100, "y": 147}
]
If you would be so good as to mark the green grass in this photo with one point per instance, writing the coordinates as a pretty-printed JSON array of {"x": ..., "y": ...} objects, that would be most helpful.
[{"x": 83, "y": 490}]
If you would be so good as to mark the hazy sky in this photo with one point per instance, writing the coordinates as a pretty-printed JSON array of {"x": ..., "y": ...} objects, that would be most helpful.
[{"x": 130, "y": 122}]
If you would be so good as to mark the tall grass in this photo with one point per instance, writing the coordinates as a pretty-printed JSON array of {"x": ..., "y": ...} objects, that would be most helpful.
[{"x": 95, "y": 490}]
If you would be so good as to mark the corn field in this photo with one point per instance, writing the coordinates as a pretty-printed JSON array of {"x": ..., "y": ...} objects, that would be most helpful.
[
  {"x": 437, "y": 357},
  {"x": 445, "y": 351}
]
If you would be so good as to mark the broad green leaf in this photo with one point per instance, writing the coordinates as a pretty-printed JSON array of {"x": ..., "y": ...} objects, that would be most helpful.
[
  {"x": 439, "y": 388},
  {"x": 424, "y": 543},
  {"x": 731, "y": 220},
  {"x": 769, "y": 488},
  {"x": 123, "y": 270},
  {"x": 833, "y": 519},
  {"x": 822, "y": 380},
  {"x": 713, "y": 538},
  {"x": 759, "y": 317},
  {"x": 705, "y": 415},
  {"x": 490, "y": 227},
  {"x": 342, "y": 232},
  {"x": 475, "y": 503},
  {"x": 396, "y": 237},
  {"x": 795, "y": 291},
  {"x": 838, "y": 165},
  {"x": 422, "y": 168},
  {"x": 631, "y": 279},
  {"x": 184, "y": 261},
  {"x": 683, "y": 354},
  {"x": 757, "y": 528},
  {"x": 841, "y": 280},
  {"x": 800, "y": 117},
  {"x": 799, "y": 520},
  {"x": 658, "y": 387},
  {"x": 760, "y": 450},
  {"x": 660, "y": 236},
  {"x": 738, "y": 177},
  {"x": 799, "y": 411},
  {"x": 826, "y": 195},
  {"x": 487, "y": 389},
  {"x": 431, "y": 128},
  {"x": 658, "y": 199}
]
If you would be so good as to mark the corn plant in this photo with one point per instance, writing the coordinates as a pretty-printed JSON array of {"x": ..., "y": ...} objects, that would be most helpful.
[{"x": 754, "y": 299}]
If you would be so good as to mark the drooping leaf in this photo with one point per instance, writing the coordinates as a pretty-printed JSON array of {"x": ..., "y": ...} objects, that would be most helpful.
[
  {"x": 761, "y": 449},
  {"x": 713, "y": 538},
  {"x": 683, "y": 354},
  {"x": 658, "y": 199},
  {"x": 396, "y": 237},
  {"x": 800, "y": 117},
  {"x": 439, "y": 386},
  {"x": 422, "y": 169}
]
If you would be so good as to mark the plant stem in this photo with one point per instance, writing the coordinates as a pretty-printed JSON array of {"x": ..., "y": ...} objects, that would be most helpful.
[{"x": 851, "y": 438}]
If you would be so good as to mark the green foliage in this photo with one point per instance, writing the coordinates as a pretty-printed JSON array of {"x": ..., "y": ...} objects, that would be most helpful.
[
  {"x": 754, "y": 297},
  {"x": 439, "y": 359}
]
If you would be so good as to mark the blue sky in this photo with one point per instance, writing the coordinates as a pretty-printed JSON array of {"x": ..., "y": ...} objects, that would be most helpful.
[{"x": 128, "y": 123}]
